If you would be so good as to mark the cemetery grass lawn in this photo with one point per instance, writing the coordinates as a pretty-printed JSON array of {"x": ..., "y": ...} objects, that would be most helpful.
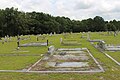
[
  {"x": 112, "y": 71},
  {"x": 115, "y": 55},
  {"x": 17, "y": 62},
  {"x": 109, "y": 39}
]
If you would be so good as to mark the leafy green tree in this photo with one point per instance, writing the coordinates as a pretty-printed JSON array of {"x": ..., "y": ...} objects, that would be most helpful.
[
  {"x": 14, "y": 22},
  {"x": 99, "y": 23}
]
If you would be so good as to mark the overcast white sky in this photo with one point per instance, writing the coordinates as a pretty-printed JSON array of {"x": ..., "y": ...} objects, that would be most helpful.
[{"x": 74, "y": 9}]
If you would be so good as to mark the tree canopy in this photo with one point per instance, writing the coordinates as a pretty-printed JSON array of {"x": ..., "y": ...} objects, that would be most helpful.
[{"x": 14, "y": 22}]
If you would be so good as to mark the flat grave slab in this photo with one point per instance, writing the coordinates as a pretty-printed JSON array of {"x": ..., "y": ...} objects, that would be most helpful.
[
  {"x": 33, "y": 44},
  {"x": 72, "y": 64}
]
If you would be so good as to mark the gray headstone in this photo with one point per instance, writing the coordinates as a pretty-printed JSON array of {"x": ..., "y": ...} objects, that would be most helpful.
[{"x": 51, "y": 49}]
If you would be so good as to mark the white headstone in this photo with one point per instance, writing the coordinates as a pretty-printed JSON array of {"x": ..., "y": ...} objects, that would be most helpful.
[{"x": 5, "y": 39}]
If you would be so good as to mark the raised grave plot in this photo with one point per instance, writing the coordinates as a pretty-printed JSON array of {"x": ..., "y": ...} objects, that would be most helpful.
[
  {"x": 34, "y": 44},
  {"x": 67, "y": 60},
  {"x": 107, "y": 47}
]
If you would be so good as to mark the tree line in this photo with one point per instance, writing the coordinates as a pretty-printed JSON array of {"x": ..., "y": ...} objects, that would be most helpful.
[{"x": 14, "y": 22}]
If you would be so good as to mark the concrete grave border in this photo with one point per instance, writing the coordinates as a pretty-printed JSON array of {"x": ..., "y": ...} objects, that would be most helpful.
[{"x": 34, "y": 44}]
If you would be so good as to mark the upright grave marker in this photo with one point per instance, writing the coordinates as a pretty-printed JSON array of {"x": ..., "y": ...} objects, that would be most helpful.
[{"x": 47, "y": 42}]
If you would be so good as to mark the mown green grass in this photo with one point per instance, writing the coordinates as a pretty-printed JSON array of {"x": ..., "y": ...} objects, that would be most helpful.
[
  {"x": 115, "y": 55},
  {"x": 112, "y": 70},
  {"x": 109, "y": 39},
  {"x": 17, "y": 62}
]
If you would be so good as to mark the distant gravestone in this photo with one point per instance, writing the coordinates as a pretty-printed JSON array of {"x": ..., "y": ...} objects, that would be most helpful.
[
  {"x": 115, "y": 34},
  {"x": 51, "y": 34},
  {"x": 54, "y": 33},
  {"x": 5, "y": 39}
]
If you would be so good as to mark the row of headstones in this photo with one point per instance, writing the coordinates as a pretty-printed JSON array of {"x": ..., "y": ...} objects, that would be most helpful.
[
  {"x": 88, "y": 34},
  {"x": 66, "y": 35},
  {"x": 43, "y": 36},
  {"x": 6, "y": 39},
  {"x": 24, "y": 37},
  {"x": 51, "y": 34},
  {"x": 9, "y": 38},
  {"x": 115, "y": 33}
]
